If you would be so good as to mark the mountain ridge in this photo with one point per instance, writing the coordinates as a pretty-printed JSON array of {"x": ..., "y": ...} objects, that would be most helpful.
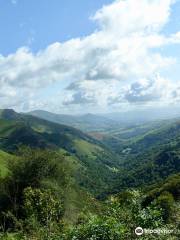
[
  {"x": 92, "y": 156},
  {"x": 85, "y": 122}
]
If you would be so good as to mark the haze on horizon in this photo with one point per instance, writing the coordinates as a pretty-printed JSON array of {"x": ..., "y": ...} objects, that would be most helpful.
[{"x": 82, "y": 57}]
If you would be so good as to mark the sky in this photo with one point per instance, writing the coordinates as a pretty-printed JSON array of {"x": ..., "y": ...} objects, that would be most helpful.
[{"x": 89, "y": 56}]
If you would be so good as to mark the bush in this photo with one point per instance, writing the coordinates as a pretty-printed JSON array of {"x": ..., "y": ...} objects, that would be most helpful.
[{"x": 166, "y": 202}]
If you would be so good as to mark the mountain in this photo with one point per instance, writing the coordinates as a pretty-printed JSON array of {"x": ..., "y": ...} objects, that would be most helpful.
[
  {"x": 165, "y": 133},
  {"x": 9, "y": 114},
  {"x": 110, "y": 121},
  {"x": 54, "y": 171},
  {"x": 136, "y": 117},
  {"x": 138, "y": 138},
  {"x": 148, "y": 152},
  {"x": 86, "y": 122},
  {"x": 95, "y": 163},
  {"x": 149, "y": 157}
]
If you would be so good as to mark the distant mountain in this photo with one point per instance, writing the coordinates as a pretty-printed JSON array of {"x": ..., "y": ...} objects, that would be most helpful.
[
  {"x": 86, "y": 122},
  {"x": 95, "y": 163},
  {"x": 136, "y": 117},
  {"x": 166, "y": 134},
  {"x": 9, "y": 114},
  {"x": 92, "y": 122},
  {"x": 140, "y": 137}
]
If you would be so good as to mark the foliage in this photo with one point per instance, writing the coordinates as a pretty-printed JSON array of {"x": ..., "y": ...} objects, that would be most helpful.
[
  {"x": 124, "y": 212},
  {"x": 28, "y": 170},
  {"x": 166, "y": 202},
  {"x": 44, "y": 205}
]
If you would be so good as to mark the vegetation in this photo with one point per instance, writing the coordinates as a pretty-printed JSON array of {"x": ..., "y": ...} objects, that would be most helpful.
[
  {"x": 89, "y": 155},
  {"x": 37, "y": 212},
  {"x": 57, "y": 183}
]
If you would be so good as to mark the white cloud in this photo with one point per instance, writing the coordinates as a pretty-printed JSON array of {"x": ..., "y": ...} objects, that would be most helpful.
[
  {"x": 14, "y": 2},
  {"x": 114, "y": 65},
  {"x": 132, "y": 16},
  {"x": 175, "y": 38}
]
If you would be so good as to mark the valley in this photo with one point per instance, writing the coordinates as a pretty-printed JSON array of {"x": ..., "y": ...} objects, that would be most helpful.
[
  {"x": 90, "y": 120},
  {"x": 95, "y": 172}
]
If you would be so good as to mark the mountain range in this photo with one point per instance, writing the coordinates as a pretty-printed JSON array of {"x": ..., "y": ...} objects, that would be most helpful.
[
  {"x": 86, "y": 122},
  {"x": 105, "y": 161},
  {"x": 107, "y": 121},
  {"x": 111, "y": 162}
]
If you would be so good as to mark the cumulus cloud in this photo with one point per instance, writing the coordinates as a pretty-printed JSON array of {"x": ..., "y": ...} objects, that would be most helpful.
[
  {"x": 92, "y": 92},
  {"x": 132, "y": 16},
  {"x": 117, "y": 64}
]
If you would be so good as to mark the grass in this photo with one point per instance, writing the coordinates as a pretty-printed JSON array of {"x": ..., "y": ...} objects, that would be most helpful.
[
  {"x": 7, "y": 127},
  {"x": 86, "y": 148},
  {"x": 3, "y": 163}
]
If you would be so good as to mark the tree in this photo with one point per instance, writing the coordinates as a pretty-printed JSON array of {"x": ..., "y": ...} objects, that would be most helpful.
[
  {"x": 43, "y": 205},
  {"x": 28, "y": 169}
]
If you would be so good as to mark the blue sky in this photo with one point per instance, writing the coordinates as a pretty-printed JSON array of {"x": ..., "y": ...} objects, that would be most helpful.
[
  {"x": 76, "y": 56},
  {"x": 42, "y": 22}
]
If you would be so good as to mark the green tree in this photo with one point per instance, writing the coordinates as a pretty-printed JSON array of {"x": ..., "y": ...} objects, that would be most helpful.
[
  {"x": 28, "y": 169},
  {"x": 43, "y": 205},
  {"x": 166, "y": 202}
]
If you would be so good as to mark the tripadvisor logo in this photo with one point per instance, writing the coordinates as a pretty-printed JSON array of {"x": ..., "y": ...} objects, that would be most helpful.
[{"x": 139, "y": 231}]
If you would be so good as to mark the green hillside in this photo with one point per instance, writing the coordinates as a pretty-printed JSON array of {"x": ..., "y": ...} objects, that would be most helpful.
[
  {"x": 167, "y": 134},
  {"x": 95, "y": 161},
  {"x": 138, "y": 137},
  {"x": 149, "y": 157},
  {"x": 3, "y": 164}
]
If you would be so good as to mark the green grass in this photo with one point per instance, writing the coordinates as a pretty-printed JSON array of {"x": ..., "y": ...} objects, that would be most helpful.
[
  {"x": 7, "y": 127},
  {"x": 3, "y": 163},
  {"x": 86, "y": 148}
]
